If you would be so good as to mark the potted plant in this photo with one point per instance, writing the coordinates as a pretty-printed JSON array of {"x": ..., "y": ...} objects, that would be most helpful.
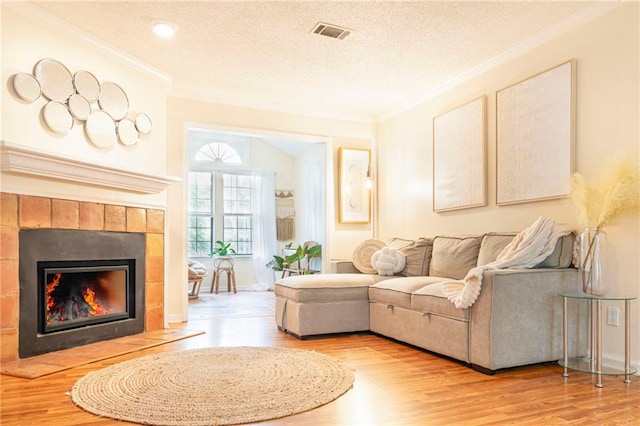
[
  {"x": 222, "y": 249},
  {"x": 301, "y": 253},
  {"x": 278, "y": 263}
]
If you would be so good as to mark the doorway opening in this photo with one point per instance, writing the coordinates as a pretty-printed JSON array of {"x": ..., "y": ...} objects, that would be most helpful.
[{"x": 235, "y": 177}]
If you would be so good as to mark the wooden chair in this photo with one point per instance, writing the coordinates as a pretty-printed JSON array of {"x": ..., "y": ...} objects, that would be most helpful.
[
  {"x": 226, "y": 265},
  {"x": 197, "y": 272}
]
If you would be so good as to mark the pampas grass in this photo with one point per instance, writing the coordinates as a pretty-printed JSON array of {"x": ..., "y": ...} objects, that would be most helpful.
[{"x": 614, "y": 195}]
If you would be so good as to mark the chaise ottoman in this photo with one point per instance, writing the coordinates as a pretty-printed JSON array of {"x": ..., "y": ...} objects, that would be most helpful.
[{"x": 324, "y": 303}]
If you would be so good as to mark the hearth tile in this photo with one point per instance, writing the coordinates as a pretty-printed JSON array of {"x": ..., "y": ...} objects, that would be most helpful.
[
  {"x": 155, "y": 245},
  {"x": 59, "y": 358},
  {"x": 29, "y": 369},
  {"x": 115, "y": 218},
  {"x": 155, "y": 221},
  {"x": 66, "y": 214},
  {"x": 9, "y": 311},
  {"x": 92, "y": 216},
  {"x": 54, "y": 362},
  {"x": 136, "y": 220},
  {"x": 154, "y": 269},
  {"x": 9, "y": 242},
  {"x": 8, "y": 277},
  {"x": 8, "y": 345},
  {"x": 154, "y": 318},
  {"x": 100, "y": 349},
  {"x": 34, "y": 212},
  {"x": 8, "y": 209},
  {"x": 154, "y": 293}
]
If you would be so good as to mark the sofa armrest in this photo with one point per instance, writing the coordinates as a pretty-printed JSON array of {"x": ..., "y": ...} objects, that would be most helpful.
[
  {"x": 343, "y": 267},
  {"x": 517, "y": 319}
]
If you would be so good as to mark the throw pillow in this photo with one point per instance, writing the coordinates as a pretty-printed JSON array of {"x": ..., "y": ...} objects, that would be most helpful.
[
  {"x": 388, "y": 261},
  {"x": 362, "y": 255}
]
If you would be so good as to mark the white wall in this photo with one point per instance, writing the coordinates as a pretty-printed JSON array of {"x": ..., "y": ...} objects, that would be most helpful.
[
  {"x": 24, "y": 43},
  {"x": 606, "y": 50},
  {"x": 182, "y": 112}
]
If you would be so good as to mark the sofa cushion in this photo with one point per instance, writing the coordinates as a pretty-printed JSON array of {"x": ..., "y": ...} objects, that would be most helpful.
[
  {"x": 326, "y": 287},
  {"x": 431, "y": 299},
  {"x": 417, "y": 254},
  {"x": 493, "y": 243},
  {"x": 453, "y": 257},
  {"x": 491, "y": 246},
  {"x": 562, "y": 255},
  {"x": 397, "y": 291}
]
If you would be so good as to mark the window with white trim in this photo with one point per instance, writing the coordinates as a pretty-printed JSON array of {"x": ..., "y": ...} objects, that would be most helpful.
[{"x": 219, "y": 202}]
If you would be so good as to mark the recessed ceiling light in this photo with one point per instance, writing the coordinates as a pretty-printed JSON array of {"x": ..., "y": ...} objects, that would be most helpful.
[{"x": 164, "y": 29}]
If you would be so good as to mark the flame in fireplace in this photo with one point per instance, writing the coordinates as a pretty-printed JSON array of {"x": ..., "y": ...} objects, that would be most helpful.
[
  {"x": 96, "y": 307},
  {"x": 84, "y": 297},
  {"x": 50, "y": 287}
]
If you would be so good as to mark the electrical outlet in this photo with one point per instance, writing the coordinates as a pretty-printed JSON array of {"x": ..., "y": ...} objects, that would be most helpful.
[{"x": 613, "y": 316}]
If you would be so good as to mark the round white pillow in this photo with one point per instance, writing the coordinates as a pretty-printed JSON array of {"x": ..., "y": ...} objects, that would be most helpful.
[{"x": 388, "y": 261}]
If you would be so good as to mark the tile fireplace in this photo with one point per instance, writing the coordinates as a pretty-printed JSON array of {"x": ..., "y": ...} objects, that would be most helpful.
[{"x": 128, "y": 280}]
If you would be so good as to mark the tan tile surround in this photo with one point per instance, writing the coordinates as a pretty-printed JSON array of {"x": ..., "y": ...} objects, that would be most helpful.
[{"x": 23, "y": 211}]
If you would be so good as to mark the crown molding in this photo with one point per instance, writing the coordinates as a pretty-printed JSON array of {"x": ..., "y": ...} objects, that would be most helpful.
[
  {"x": 37, "y": 14},
  {"x": 24, "y": 160},
  {"x": 538, "y": 39},
  {"x": 270, "y": 106}
]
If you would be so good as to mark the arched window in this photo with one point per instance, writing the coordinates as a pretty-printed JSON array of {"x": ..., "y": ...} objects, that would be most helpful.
[{"x": 218, "y": 152}]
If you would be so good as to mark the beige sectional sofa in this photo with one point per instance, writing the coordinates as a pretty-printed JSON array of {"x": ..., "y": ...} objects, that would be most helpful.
[{"x": 516, "y": 320}]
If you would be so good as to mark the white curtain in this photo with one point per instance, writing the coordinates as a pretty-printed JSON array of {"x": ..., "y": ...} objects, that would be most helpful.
[
  {"x": 264, "y": 229},
  {"x": 314, "y": 202}
]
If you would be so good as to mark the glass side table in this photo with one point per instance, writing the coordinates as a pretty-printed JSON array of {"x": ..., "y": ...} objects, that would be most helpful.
[{"x": 593, "y": 362}]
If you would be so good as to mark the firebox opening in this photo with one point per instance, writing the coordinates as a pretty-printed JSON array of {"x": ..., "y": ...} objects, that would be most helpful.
[{"x": 73, "y": 294}]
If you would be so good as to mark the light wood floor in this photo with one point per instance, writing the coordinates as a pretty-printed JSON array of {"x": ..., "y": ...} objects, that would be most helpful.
[{"x": 395, "y": 385}]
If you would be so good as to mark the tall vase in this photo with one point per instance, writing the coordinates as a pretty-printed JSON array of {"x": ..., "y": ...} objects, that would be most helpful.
[{"x": 593, "y": 261}]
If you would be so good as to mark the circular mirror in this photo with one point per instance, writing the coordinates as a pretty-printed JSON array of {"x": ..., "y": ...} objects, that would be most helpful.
[
  {"x": 57, "y": 117},
  {"x": 113, "y": 100},
  {"x": 55, "y": 80},
  {"x": 127, "y": 132},
  {"x": 87, "y": 85},
  {"x": 79, "y": 107},
  {"x": 27, "y": 87},
  {"x": 143, "y": 123},
  {"x": 101, "y": 130}
]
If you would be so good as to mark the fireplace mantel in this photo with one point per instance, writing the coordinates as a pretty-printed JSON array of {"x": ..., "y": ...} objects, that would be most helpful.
[{"x": 20, "y": 159}]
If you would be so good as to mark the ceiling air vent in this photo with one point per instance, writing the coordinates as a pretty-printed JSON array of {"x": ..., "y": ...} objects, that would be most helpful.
[{"x": 332, "y": 31}]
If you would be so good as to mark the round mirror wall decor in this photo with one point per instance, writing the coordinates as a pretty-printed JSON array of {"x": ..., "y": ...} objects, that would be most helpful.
[
  {"x": 127, "y": 132},
  {"x": 87, "y": 85},
  {"x": 101, "y": 129},
  {"x": 102, "y": 108},
  {"x": 57, "y": 117},
  {"x": 55, "y": 80},
  {"x": 79, "y": 107},
  {"x": 27, "y": 87},
  {"x": 143, "y": 123},
  {"x": 113, "y": 100}
]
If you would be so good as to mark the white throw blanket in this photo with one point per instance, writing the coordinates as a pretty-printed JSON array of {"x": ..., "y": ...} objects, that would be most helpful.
[{"x": 529, "y": 248}]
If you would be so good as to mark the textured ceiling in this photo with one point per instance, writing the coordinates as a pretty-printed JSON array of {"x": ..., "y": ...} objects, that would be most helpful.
[{"x": 262, "y": 52}]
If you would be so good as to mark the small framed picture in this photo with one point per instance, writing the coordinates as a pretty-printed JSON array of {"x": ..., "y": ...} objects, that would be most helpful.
[{"x": 354, "y": 197}]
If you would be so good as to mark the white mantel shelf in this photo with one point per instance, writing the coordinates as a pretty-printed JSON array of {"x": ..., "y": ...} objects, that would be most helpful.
[{"x": 24, "y": 160}]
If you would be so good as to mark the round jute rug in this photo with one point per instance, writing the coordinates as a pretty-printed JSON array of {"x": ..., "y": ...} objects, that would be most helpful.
[{"x": 213, "y": 386}]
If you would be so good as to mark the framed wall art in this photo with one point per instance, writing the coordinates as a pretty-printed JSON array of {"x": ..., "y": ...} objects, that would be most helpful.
[
  {"x": 459, "y": 157},
  {"x": 354, "y": 197},
  {"x": 535, "y": 136}
]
